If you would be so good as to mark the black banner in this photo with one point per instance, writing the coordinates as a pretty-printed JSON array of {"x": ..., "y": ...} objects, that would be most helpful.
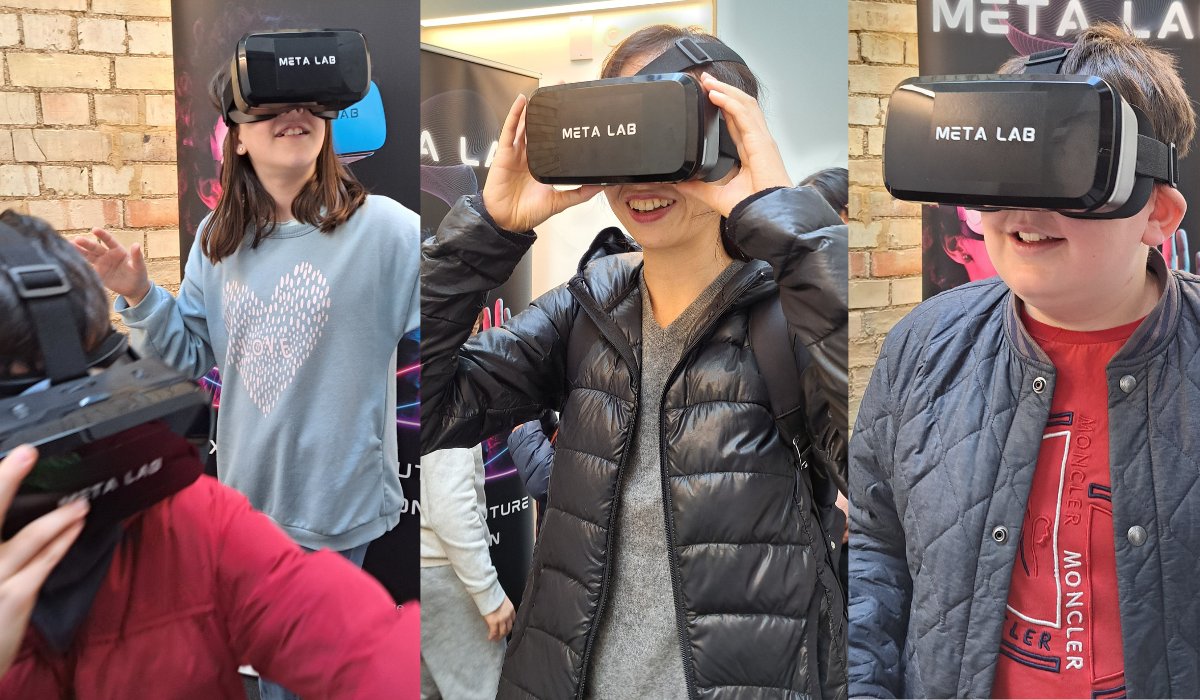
[{"x": 463, "y": 104}]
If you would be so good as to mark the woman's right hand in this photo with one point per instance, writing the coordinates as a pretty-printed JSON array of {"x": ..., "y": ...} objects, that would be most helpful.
[
  {"x": 29, "y": 557},
  {"x": 515, "y": 201},
  {"x": 121, "y": 269}
]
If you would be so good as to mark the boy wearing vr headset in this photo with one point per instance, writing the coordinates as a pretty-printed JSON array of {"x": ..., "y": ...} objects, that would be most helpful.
[
  {"x": 167, "y": 602},
  {"x": 1023, "y": 522}
]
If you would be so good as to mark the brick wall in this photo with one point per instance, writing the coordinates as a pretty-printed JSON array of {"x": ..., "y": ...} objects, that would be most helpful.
[
  {"x": 885, "y": 234},
  {"x": 87, "y": 121}
]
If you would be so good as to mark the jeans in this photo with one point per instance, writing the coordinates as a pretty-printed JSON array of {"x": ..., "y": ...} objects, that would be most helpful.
[{"x": 273, "y": 691}]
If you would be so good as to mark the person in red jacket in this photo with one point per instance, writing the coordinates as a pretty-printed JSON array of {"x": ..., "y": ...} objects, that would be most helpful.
[{"x": 199, "y": 583}]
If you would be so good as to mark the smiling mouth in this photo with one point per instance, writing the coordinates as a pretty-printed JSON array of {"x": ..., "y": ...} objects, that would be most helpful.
[
  {"x": 292, "y": 131},
  {"x": 645, "y": 206},
  {"x": 1026, "y": 237}
]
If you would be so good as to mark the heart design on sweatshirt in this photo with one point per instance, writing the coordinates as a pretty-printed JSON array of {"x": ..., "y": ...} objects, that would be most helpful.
[{"x": 269, "y": 341}]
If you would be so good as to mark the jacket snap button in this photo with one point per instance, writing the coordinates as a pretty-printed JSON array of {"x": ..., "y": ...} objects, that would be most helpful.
[
  {"x": 1000, "y": 534},
  {"x": 1137, "y": 535},
  {"x": 1128, "y": 383},
  {"x": 1039, "y": 385}
]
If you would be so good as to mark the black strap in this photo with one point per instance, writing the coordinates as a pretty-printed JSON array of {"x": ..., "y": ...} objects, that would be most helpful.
[
  {"x": 1049, "y": 61},
  {"x": 771, "y": 341},
  {"x": 42, "y": 286},
  {"x": 685, "y": 53},
  {"x": 1157, "y": 160},
  {"x": 773, "y": 351}
]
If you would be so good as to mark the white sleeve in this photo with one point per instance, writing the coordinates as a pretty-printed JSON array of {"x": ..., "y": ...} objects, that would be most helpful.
[{"x": 451, "y": 510}]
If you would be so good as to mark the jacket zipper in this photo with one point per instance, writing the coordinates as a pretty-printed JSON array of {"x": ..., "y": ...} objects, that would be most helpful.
[
  {"x": 813, "y": 513},
  {"x": 590, "y": 307},
  {"x": 685, "y": 647}
]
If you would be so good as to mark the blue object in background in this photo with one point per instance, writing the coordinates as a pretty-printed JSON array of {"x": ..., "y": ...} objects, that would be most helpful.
[{"x": 361, "y": 128}]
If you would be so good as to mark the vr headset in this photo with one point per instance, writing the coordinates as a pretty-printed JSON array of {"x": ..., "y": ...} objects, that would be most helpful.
[
  {"x": 115, "y": 438},
  {"x": 1038, "y": 140},
  {"x": 656, "y": 126},
  {"x": 324, "y": 71}
]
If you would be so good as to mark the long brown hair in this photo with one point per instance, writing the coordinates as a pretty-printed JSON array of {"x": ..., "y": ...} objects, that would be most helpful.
[
  {"x": 330, "y": 198},
  {"x": 650, "y": 43}
]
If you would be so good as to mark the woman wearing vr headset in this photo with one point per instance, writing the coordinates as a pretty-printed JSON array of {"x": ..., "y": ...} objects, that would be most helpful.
[
  {"x": 279, "y": 295},
  {"x": 679, "y": 553}
]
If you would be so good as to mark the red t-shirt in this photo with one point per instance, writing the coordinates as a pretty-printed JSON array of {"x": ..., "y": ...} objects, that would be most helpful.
[{"x": 1062, "y": 627}]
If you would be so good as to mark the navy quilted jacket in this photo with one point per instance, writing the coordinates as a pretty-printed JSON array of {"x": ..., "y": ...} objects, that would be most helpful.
[{"x": 944, "y": 451}]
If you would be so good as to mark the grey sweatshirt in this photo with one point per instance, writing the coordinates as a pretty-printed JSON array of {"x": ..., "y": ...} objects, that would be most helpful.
[
  {"x": 637, "y": 650},
  {"x": 304, "y": 330},
  {"x": 454, "y": 527}
]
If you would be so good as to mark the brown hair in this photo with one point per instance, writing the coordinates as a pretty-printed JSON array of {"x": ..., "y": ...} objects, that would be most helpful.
[
  {"x": 331, "y": 197},
  {"x": 650, "y": 43},
  {"x": 89, "y": 303},
  {"x": 1146, "y": 77}
]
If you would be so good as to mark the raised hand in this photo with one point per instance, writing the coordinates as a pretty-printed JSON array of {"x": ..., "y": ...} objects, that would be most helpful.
[
  {"x": 762, "y": 165},
  {"x": 121, "y": 269},
  {"x": 514, "y": 199}
]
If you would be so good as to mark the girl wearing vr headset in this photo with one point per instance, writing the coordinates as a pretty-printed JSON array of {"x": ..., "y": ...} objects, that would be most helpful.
[
  {"x": 279, "y": 294},
  {"x": 678, "y": 553}
]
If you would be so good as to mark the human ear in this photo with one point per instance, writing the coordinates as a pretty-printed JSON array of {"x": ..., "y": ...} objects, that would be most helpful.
[
  {"x": 1167, "y": 207},
  {"x": 952, "y": 246}
]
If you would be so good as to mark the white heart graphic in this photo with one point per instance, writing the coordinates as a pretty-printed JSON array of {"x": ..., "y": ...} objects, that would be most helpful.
[{"x": 269, "y": 342}]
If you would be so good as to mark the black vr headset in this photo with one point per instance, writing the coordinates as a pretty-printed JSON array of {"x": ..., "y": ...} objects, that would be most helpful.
[
  {"x": 1037, "y": 140},
  {"x": 656, "y": 126},
  {"x": 115, "y": 438},
  {"x": 323, "y": 71}
]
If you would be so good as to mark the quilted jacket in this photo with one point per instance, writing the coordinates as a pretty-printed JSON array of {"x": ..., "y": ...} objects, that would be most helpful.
[
  {"x": 944, "y": 451},
  {"x": 760, "y": 611}
]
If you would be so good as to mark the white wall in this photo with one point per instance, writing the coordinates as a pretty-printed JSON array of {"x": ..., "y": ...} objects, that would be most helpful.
[
  {"x": 796, "y": 48},
  {"x": 789, "y": 43}
]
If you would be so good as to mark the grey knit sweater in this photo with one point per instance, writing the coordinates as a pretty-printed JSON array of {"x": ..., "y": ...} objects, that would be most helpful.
[{"x": 637, "y": 652}]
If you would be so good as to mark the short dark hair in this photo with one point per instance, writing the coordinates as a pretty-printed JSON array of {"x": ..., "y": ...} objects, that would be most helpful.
[
  {"x": 652, "y": 41},
  {"x": 834, "y": 186},
  {"x": 89, "y": 302},
  {"x": 1146, "y": 77}
]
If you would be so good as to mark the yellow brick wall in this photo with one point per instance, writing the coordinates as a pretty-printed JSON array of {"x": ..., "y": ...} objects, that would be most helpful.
[
  {"x": 87, "y": 120},
  {"x": 885, "y": 234}
]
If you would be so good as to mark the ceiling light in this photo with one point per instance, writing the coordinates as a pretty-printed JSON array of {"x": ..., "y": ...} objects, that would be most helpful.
[{"x": 578, "y": 8}]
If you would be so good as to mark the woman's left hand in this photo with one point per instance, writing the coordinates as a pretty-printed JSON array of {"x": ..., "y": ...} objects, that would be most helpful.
[{"x": 762, "y": 165}]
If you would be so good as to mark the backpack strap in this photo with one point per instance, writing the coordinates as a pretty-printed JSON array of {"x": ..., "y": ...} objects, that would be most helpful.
[
  {"x": 777, "y": 360},
  {"x": 773, "y": 350}
]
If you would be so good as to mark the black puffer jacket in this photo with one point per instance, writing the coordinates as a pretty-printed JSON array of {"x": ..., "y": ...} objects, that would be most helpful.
[
  {"x": 754, "y": 620},
  {"x": 944, "y": 452}
]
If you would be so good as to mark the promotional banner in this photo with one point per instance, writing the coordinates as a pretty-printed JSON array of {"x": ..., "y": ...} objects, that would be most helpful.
[
  {"x": 375, "y": 136},
  {"x": 463, "y": 104},
  {"x": 978, "y": 36}
]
